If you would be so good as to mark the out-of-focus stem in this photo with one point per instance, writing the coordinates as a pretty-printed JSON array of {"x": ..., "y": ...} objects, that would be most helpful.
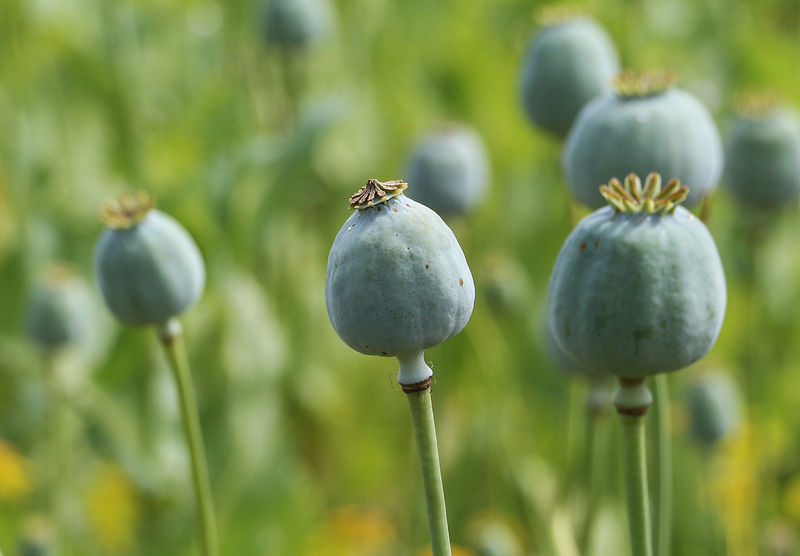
[{"x": 171, "y": 337}]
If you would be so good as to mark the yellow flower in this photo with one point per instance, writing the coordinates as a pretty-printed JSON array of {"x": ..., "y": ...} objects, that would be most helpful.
[
  {"x": 791, "y": 499},
  {"x": 15, "y": 482},
  {"x": 736, "y": 486},
  {"x": 112, "y": 508},
  {"x": 352, "y": 531}
]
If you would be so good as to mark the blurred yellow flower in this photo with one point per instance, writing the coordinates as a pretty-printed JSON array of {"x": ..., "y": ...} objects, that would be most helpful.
[
  {"x": 353, "y": 531},
  {"x": 113, "y": 509},
  {"x": 15, "y": 482},
  {"x": 735, "y": 487},
  {"x": 791, "y": 499}
]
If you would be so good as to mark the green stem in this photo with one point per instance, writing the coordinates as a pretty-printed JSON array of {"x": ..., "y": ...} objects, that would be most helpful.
[
  {"x": 171, "y": 337},
  {"x": 589, "y": 468},
  {"x": 425, "y": 432},
  {"x": 663, "y": 462},
  {"x": 632, "y": 400},
  {"x": 59, "y": 496},
  {"x": 291, "y": 84}
]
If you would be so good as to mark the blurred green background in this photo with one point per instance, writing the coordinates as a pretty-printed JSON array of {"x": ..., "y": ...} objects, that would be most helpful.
[{"x": 256, "y": 151}]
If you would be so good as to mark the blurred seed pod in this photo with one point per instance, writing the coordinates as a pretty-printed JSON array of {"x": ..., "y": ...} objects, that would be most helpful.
[
  {"x": 148, "y": 267},
  {"x": 505, "y": 285},
  {"x": 762, "y": 161},
  {"x": 569, "y": 62},
  {"x": 60, "y": 308},
  {"x": 296, "y": 24},
  {"x": 37, "y": 537},
  {"x": 645, "y": 125},
  {"x": 448, "y": 170},
  {"x": 714, "y": 407},
  {"x": 491, "y": 534}
]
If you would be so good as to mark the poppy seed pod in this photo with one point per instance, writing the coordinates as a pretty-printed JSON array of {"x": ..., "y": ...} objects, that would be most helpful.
[
  {"x": 397, "y": 281},
  {"x": 762, "y": 162},
  {"x": 645, "y": 125},
  {"x": 569, "y": 61},
  {"x": 147, "y": 266},
  {"x": 638, "y": 287},
  {"x": 714, "y": 407},
  {"x": 59, "y": 310},
  {"x": 449, "y": 171},
  {"x": 296, "y": 23}
]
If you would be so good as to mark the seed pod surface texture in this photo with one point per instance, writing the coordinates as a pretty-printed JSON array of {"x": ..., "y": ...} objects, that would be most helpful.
[
  {"x": 762, "y": 162},
  {"x": 666, "y": 131},
  {"x": 397, "y": 281},
  {"x": 633, "y": 294},
  {"x": 567, "y": 64},
  {"x": 449, "y": 171},
  {"x": 149, "y": 271}
]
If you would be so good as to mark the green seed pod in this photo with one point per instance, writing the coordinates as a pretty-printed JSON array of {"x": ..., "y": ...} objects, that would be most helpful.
[
  {"x": 638, "y": 287},
  {"x": 714, "y": 407},
  {"x": 569, "y": 62},
  {"x": 449, "y": 171},
  {"x": 646, "y": 125},
  {"x": 37, "y": 537},
  {"x": 59, "y": 310},
  {"x": 506, "y": 285},
  {"x": 397, "y": 281},
  {"x": 148, "y": 267},
  {"x": 297, "y": 23},
  {"x": 762, "y": 160}
]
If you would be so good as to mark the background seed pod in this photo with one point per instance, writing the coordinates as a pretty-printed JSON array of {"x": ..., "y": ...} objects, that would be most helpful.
[
  {"x": 397, "y": 281},
  {"x": 149, "y": 272},
  {"x": 668, "y": 132},
  {"x": 762, "y": 161},
  {"x": 714, "y": 407},
  {"x": 59, "y": 309},
  {"x": 296, "y": 23},
  {"x": 506, "y": 285},
  {"x": 566, "y": 65},
  {"x": 449, "y": 170}
]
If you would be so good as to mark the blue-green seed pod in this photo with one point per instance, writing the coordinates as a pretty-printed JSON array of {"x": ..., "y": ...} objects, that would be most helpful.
[
  {"x": 296, "y": 24},
  {"x": 506, "y": 285},
  {"x": 147, "y": 266},
  {"x": 59, "y": 310},
  {"x": 638, "y": 287},
  {"x": 645, "y": 126},
  {"x": 449, "y": 171},
  {"x": 36, "y": 538},
  {"x": 569, "y": 62},
  {"x": 762, "y": 160},
  {"x": 714, "y": 407},
  {"x": 397, "y": 281}
]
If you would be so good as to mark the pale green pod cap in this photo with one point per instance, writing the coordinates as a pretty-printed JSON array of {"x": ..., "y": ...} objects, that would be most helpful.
[{"x": 148, "y": 267}]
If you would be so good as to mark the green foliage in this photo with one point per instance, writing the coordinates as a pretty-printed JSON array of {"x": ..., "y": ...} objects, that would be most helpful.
[{"x": 255, "y": 154}]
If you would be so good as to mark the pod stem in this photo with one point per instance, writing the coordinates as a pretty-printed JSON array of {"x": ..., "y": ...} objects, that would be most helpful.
[
  {"x": 419, "y": 400},
  {"x": 632, "y": 400},
  {"x": 663, "y": 532},
  {"x": 171, "y": 336}
]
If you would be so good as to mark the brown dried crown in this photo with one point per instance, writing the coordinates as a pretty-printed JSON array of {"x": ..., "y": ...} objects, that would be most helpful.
[
  {"x": 375, "y": 192},
  {"x": 126, "y": 211}
]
